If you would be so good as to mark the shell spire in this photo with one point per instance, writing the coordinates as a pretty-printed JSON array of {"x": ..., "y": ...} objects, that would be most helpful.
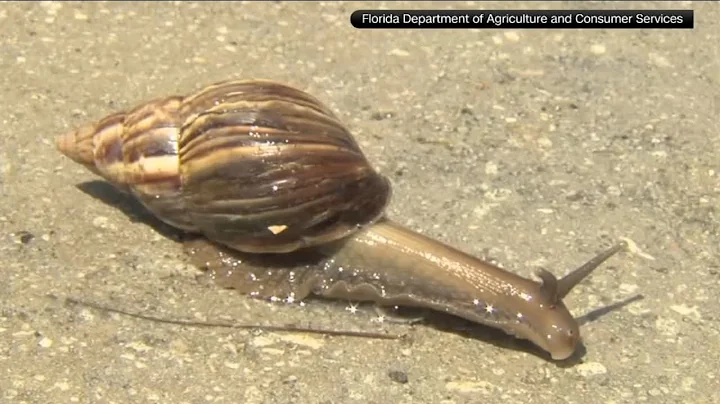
[{"x": 78, "y": 146}]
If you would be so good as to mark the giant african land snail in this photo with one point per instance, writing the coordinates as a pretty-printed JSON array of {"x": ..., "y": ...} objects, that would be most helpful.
[{"x": 265, "y": 169}]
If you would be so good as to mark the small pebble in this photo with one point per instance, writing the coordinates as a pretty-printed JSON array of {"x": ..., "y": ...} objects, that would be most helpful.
[
  {"x": 512, "y": 36},
  {"x": 545, "y": 142},
  {"x": 491, "y": 168},
  {"x": 45, "y": 342},
  {"x": 591, "y": 369},
  {"x": 398, "y": 376},
  {"x": 598, "y": 49},
  {"x": 399, "y": 52},
  {"x": 654, "y": 392},
  {"x": 25, "y": 237},
  {"x": 100, "y": 221}
]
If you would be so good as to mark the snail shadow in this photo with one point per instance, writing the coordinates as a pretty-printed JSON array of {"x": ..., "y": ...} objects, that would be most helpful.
[
  {"x": 128, "y": 205},
  {"x": 136, "y": 212},
  {"x": 602, "y": 311}
]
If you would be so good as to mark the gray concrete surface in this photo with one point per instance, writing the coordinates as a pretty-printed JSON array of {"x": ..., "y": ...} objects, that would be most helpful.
[{"x": 536, "y": 148}]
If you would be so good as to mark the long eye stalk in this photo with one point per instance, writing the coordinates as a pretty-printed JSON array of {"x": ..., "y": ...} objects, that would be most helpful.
[{"x": 569, "y": 281}]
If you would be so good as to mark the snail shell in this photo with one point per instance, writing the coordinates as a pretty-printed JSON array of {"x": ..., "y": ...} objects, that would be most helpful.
[{"x": 255, "y": 165}]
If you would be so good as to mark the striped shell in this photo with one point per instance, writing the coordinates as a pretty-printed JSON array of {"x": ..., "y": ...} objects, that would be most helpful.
[{"x": 256, "y": 165}]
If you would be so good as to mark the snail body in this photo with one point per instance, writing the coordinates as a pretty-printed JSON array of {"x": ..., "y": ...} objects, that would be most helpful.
[{"x": 289, "y": 206}]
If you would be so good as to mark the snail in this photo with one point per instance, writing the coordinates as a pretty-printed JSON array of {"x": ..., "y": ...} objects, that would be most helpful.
[{"x": 289, "y": 206}]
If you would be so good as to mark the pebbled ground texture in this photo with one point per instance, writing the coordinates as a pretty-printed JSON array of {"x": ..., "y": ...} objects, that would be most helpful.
[{"x": 536, "y": 148}]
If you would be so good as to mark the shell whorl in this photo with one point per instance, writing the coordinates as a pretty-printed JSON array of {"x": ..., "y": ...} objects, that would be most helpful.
[{"x": 256, "y": 165}]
